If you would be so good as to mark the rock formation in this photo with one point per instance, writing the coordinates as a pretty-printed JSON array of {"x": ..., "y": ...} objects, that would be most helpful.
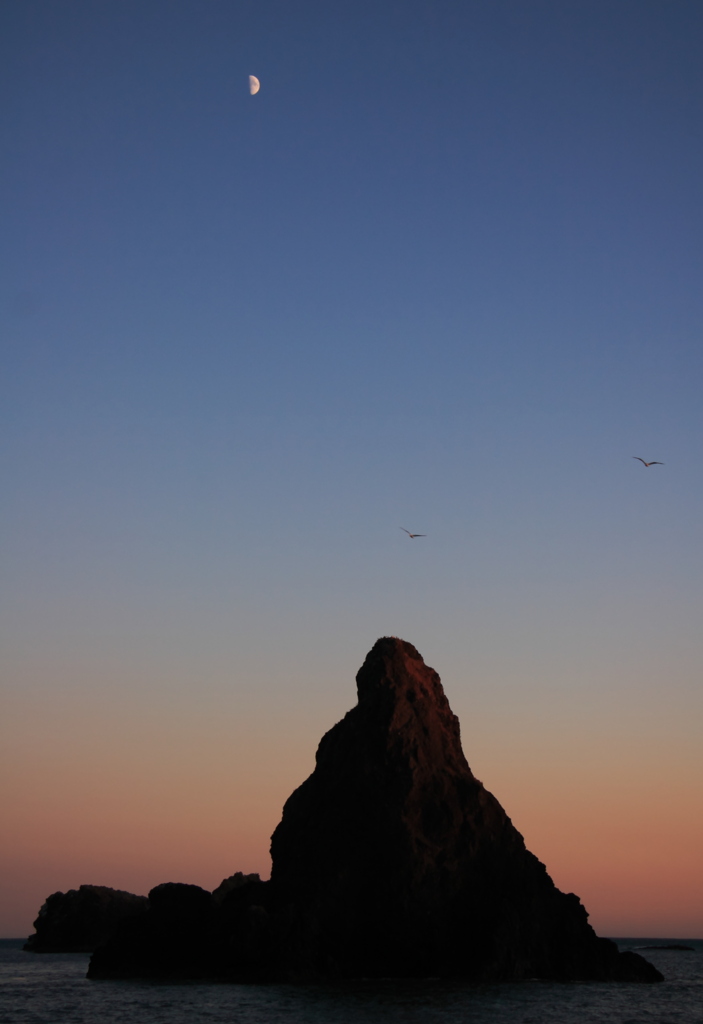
[
  {"x": 176, "y": 938},
  {"x": 391, "y": 859},
  {"x": 79, "y": 920},
  {"x": 189, "y": 933},
  {"x": 235, "y": 881}
]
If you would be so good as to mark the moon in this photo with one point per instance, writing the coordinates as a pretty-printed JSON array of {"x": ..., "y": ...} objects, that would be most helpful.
[{"x": 254, "y": 84}]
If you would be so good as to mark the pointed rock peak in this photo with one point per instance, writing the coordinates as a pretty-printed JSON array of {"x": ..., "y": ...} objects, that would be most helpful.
[
  {"x": 395, "y": 666},
  {"x": 395, "y": 687}
]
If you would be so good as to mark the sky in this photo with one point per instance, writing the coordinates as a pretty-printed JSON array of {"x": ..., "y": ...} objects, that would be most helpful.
[{"x": 443, "y": 272}]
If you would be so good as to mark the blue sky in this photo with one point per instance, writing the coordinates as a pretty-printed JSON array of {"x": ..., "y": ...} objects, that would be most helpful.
[{"x": 443, "y": 272}]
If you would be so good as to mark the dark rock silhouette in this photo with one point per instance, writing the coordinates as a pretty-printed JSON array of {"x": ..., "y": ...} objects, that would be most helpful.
[
  {"x": 79, "y": 920},
  {"x": 391, "y": 859},
  {"x": 175, "y": 938},
  {"x": 189, "y": 933},
  {"x": 235, "y": 881}
]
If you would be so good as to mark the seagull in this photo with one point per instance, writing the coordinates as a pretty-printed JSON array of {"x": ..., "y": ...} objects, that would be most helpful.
[
  {"x": 647, "y": 463},
  {"x": 412, "y": 536}
]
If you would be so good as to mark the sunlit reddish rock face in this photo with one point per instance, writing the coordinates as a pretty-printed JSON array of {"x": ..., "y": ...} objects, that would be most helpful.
[{"x": 393, "y": 859}]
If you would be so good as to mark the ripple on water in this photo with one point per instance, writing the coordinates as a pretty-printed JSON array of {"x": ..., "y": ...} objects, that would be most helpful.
[{"x": 52, "y": 989}]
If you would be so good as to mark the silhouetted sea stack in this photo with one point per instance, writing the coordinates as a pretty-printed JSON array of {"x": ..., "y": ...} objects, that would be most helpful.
[
  {"x": 391, "y": 860},
  {"x": 79, "y": 920}
]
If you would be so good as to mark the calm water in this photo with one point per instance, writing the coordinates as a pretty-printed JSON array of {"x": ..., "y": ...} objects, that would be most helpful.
[{"x": 52, "y": 989}]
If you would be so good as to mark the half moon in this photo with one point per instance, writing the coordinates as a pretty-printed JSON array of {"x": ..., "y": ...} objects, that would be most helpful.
[{"x": 254, "y": 85}]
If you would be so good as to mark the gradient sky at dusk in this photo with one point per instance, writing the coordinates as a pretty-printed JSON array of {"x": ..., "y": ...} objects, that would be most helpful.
[{"x": 443, "y": 272}]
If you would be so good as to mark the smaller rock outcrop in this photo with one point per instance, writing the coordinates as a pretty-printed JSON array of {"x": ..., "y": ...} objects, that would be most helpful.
[
  {"x": 187, "y": 932},
  {"x": 175, "y": 938},
  {"x": 80, "y": 920}
]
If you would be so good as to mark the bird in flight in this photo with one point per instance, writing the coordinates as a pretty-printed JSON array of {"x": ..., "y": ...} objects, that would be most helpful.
[
  {"x": 412, "y": 536},
  {"x": 647, "y": 463}
]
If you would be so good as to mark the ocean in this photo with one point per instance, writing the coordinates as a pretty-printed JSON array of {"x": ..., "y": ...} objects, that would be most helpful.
[{"x": 51, "y": 988}]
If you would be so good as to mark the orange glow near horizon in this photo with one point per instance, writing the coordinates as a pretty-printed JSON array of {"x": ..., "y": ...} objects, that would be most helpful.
[{"x": 124, "y": 793}]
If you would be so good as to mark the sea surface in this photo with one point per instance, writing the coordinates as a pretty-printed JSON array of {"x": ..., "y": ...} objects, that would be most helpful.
[{"x": 51, "y": 988}]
